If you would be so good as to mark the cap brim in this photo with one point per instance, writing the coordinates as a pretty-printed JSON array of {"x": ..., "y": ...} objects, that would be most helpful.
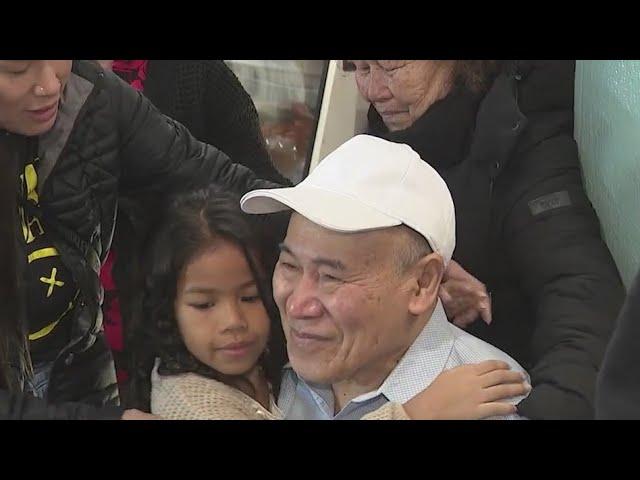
[{"x": 331, "y": 210}]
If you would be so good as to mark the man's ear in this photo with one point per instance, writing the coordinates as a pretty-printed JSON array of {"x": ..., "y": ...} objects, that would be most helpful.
[{"x": 427, "y": 275}]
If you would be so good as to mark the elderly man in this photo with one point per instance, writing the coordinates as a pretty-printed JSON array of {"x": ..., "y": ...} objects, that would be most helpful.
[{"x": 357, "y": 282}]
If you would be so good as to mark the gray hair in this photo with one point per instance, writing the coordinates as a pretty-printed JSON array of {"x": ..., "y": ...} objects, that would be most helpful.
[{"x": 410, "y": 247}]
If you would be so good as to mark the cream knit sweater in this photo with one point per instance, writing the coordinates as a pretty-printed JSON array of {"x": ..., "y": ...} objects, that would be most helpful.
[{"x": 193, "y": 397}]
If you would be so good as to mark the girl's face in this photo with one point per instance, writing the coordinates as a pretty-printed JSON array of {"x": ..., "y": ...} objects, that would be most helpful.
[
  {"x": 220, "y": 314},
  {"x": 30, "y": 92}
]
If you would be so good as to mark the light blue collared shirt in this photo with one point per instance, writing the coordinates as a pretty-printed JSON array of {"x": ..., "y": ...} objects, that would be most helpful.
[{"x": 440, "y": 346}]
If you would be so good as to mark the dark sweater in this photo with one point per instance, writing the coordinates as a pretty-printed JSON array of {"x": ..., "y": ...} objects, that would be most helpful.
[{"x": 207, "y": 98}]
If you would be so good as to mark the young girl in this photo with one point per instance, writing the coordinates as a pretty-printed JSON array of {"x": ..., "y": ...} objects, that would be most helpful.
[
  {"x": 212, "y": 345},
  {"x": 207, "y": 98}
]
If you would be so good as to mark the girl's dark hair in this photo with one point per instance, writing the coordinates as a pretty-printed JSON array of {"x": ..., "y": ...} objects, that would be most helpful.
[
  {"x": 14, "y": 355},
  {"x": 194, "y": 220}
]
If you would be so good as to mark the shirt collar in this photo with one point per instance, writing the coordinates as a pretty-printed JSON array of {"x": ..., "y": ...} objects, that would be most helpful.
[{"x": 425, "y": 359}]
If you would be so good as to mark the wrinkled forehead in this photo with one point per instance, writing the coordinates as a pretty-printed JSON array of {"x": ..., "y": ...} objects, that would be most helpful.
[{"x": 351, "y": 65}]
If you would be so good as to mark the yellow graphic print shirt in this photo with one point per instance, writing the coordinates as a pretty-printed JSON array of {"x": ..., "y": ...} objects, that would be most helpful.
[{"x": 51, "y": 290}]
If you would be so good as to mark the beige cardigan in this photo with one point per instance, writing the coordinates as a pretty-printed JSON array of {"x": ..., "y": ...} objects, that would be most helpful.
[{"x": 193, "y": 397}]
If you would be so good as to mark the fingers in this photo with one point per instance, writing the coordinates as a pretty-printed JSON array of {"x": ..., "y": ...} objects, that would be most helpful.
[
  {"x": 464, "y": 291},
  {"x": 464, "y": 300},
  {"x": 465, "y": 319},
  {"x": 495, "y": 410},
  {"x": 454, "y": 270},
  {"x": 445, "y": 296},
  {"x": 485, "y": 311},
  {"x": 499, "y": 377},
  {"x": 504, "y": 392},
  {"x": 490, "y": 366},
  {"x": 453, "y": 305}
]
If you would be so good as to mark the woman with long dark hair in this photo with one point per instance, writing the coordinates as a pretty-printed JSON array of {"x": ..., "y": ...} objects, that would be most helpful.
[{"x": 76, "y": 141}]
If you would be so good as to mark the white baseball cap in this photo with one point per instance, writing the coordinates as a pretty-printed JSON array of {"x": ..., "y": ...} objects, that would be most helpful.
[{"x": 369, "y": 183}]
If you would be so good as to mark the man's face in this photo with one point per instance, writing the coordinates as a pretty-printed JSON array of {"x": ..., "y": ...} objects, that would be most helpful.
[{"x": 345, "y": 307}]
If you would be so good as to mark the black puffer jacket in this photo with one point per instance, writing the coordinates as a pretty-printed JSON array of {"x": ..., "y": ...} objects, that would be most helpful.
[
  {"x": 108, "y": 142},
  {"x": 618, "y": 387},
  {"x": 526, "y": 228}
]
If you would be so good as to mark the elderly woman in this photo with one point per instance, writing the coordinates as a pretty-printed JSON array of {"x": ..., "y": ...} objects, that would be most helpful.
[{"x": 500, "y": 133}]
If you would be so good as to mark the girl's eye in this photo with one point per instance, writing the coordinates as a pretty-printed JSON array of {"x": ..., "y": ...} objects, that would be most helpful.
[{"x": 202, "y": 306}]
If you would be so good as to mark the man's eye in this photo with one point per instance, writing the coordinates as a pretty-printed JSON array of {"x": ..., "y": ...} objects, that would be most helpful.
[
  {"x": 330, "y": 278},
  {"x": 288, "y": 266},
  {"x": 391, "y": 68}
]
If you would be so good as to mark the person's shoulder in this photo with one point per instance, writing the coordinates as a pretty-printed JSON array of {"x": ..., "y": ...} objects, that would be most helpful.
[
  {"x": 472, "y": 349},
  {"x": 91, "y": 71},
  {"x": 172, "y": 396},
  {"x": 190, "y": 396},
  {"x": 187, "y": 383},
  {"x": 87, "y": 69},
  {"x": 546, "y": 85}
]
